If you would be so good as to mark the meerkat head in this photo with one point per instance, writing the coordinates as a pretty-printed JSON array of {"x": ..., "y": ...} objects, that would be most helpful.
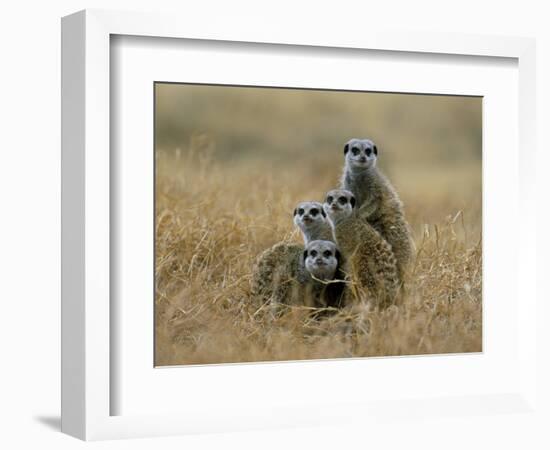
[
  {"x": 321, "y": 259},
  {"x": 339, "y": 204},
  {"x": 310, "y": 217},
  {"x": 360, "y": 154}
]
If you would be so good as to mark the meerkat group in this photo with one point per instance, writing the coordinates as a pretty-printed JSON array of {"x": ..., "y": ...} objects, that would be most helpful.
[
  {"x": 293, "y": 274},
  {"x": 356, "y": 244}
]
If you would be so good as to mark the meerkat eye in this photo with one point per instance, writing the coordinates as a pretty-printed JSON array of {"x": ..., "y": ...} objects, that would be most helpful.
[
  {"x": 313, "y": 253},
  {"x": 343, "y": 200},
  {"x": 355, "y": 151},
  {"x": 329, "y": 199},
  {"x": 327, "y": 253},
  {"x": 368, "y": 151},
  {"x": 314, "y": 212},
  {"x": 301, "y": 211}
]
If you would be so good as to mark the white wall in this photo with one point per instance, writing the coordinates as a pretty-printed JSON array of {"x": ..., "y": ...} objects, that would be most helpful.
[{"x": 29, "y": 225}]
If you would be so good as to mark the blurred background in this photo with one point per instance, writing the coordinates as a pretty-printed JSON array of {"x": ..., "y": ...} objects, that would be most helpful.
[
  {"x": 430, "y": 145},
  {"x": 231, "y": 165}
]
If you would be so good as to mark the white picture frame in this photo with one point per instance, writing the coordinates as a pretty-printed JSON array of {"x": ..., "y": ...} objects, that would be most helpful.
[{"x": 87, "y": 329}]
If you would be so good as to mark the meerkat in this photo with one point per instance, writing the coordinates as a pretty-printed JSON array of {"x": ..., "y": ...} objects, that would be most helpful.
[
  {"x": 313, "y": 222},
  {"x": 277, "y": 267},
  {"x": 377, "y": 201},
  {"x": 324, "y": 276},
  {"x": 294, "y": 275},
  {"x": 368, "y": 257}
]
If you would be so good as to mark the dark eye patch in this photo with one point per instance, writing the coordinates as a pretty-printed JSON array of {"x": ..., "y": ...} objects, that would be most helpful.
[
  {"x": 368, "y": 151},
  {"x": 314, "y": 211},
  {"x": 301, "y": 211},
  {"x": 342, "y": 200},
  {"x": 313, "y": 253},
  {"x": 355, "y": 151},
  {"x": 327, "y": 253},
  {"x": 329, "y": 199}
]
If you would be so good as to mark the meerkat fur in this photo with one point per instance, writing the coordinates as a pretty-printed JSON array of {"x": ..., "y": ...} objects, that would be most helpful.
[{"x": 276, "y": 272}]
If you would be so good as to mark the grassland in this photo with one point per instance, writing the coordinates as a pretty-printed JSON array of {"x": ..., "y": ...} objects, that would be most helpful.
[{"x": 225, "y": 191}]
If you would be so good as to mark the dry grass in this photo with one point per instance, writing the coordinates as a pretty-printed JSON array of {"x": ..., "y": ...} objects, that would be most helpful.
[{"x": 212, "y": 221}]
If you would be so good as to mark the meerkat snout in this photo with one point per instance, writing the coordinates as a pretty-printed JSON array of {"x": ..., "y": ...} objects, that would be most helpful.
[{"x": 360, "y": 154}]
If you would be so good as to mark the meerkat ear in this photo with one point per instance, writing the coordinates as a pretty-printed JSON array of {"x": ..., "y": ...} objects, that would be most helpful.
[
  {"x": 305, "y": 255},
  {"x": 295, "y": 211},
  {"x": 338, "y": 255},
  {"x": 375, "y": 150},
  {"x": 352, "y": 201},
  {"x": 323, "y": 212},
  {"x": 346, "y": 148}
]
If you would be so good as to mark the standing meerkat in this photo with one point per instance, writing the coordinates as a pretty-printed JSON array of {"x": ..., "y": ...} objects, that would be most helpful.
[
  {"x": 277, "y": 267},
  {"x": 377, "y": 201},
  {"x": 367, "y": 256}
]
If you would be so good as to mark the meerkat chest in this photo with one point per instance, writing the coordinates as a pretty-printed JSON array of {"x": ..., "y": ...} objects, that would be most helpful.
[{"x": 362, "y": 186}]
